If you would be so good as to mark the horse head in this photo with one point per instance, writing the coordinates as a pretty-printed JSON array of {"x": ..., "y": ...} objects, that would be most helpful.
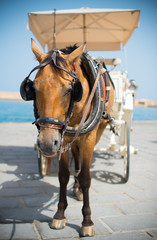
[{"x": 54, "y": 90}]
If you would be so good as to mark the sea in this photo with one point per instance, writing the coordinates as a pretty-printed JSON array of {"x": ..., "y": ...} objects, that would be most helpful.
[{"x": 20, "y": 111}]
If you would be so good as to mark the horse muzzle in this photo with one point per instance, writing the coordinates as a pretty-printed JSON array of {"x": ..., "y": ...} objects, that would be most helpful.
[{"x": 49, "y": 141}]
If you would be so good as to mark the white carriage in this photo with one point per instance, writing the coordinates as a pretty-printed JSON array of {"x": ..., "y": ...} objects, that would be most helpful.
[
  {"x": 103, "y": 30},
  {"x": 121, "y": 115}
]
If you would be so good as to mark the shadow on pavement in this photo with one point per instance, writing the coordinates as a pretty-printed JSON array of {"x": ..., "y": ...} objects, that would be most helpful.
[
  {"x": 108, "y": 160},
  {"x": 108, "y": 177},
  {"x": 24, "y": 195}
]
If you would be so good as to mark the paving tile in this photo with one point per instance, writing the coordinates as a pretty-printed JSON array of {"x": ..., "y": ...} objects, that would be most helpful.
[
  {"x": 41, "y": 201},
  {"x": 10, "y": 192},
  {"x": 131, "y": 222},
  {"x": 136, "y": 173},
  {"x": 50, "y": 190},
  {"x": 144, "y": 184},
  {"x": 27, "y": 169},
  {"x": 139, "y": 207},
  {"x": 52, "y": 180},
  {"x": 100, "y": 229},
  {"x": 22, "y": 231},
  {"x": 144, "y": 195},
  {"x": 6, "y": 231},
  {"x": 9, "y": 203},
  {"x": 152, "y": 233},
  {"x": 5, "y": 167},
  {"x": 5, "y": 178},
  {"x": 10, "y": 184},
  {"x": 74, "y": 212},
  {"x": 121, "y": 236},
  {"x": 34, "y": 183},
  {"x": 70, "y": 231},
  {"x": 109, "y": 198},
  {"x": 104, "y": 210},
  {"x": 26, "y": 215}
]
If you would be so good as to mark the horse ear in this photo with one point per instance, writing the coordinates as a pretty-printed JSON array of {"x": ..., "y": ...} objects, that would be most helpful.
[
  {"x": 75, "y": 55},
  {"x": 37, "y": 52}
]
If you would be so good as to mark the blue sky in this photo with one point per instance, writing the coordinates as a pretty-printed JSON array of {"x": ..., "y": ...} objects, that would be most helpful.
[{"x": 17, "y": 59}]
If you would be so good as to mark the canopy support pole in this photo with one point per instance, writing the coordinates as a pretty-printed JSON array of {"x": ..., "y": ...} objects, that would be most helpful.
[
  {"x": 125, "y": 60},
  {"x": 84, "y": 28},
  {"x": 54, "y": 31}
]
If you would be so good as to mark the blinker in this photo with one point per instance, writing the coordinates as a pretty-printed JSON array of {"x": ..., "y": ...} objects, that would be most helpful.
[
  {"x": 77, "y": 90},
  {"x": 27, "y": 90}
]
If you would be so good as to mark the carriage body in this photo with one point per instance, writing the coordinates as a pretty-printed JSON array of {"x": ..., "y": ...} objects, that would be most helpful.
[{"x": 118, "y": 135}]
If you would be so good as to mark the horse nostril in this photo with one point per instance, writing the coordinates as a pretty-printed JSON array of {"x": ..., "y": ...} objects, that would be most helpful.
[{"x": 55, "y": 142}]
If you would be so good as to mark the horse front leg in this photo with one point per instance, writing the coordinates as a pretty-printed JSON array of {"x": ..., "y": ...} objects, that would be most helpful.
[
  {"x": 85, "y": 182},
  {"x": 59, "y": 220},
  {"x": 76, "y": 188}
]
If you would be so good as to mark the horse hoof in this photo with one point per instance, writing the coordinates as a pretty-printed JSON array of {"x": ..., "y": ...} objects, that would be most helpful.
[
  {"x": 78, "y": 194},
  {"x": 58, "y": 224},
  {"x": 88, "y": 231}
]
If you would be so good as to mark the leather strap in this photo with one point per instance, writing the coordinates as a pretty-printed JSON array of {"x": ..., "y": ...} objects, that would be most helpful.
[
  {"x": 48, "y": 60},
  {"x": 40, "y": 66},
  {"x": 53, "y": 57},
  {"x": 54, "y": 121},
  {"x": 68, "y": 146}
]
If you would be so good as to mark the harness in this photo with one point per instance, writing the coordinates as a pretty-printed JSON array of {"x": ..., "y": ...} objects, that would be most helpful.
[{"x": 98, "y": 101}]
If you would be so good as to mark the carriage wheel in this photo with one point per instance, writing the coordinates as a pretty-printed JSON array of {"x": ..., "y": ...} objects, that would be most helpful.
[
  {"x": 42, "y": 164},
  {"x": 127, "y": 151}
]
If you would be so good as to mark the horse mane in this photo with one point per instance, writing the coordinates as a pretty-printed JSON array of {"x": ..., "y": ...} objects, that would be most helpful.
[
  {"x": 59, "y": 60},
  {"x": 69, "y": 49}
]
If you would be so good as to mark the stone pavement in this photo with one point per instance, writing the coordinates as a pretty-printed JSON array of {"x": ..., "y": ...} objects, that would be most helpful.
[{"x": 120, "y": 211}]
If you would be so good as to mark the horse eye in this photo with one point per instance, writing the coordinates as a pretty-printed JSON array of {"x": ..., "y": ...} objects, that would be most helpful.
[{"x": 68, "y": 90}]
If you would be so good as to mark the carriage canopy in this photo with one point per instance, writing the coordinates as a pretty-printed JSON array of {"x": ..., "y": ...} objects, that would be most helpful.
[{"x": 102, "y": 29}]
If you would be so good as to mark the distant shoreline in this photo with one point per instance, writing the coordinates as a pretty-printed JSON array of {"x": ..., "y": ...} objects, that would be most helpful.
[
  {"x": 10, "y": 96},
  {"x": 145, "y": 103},
  {"x": 15, "y": 96}
]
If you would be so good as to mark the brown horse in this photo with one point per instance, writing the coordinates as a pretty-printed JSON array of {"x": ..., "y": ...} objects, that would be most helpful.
[{"x": 53, "y": 89}]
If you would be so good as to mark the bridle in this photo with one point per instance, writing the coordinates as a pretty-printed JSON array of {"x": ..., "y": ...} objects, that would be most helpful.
[{"x": 46, "y": 122}]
